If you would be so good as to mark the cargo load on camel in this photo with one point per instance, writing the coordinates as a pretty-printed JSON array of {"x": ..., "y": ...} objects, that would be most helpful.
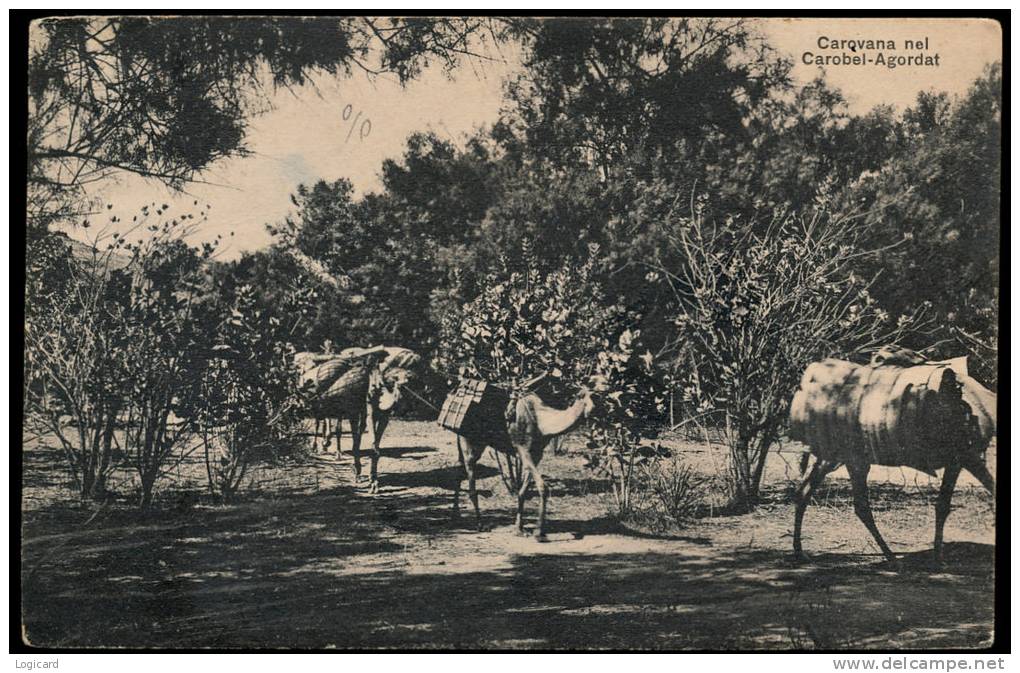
[
  {"x": 898, "y": 410},
  {"x": 471, "y": 405},
  {"x": 362, "y": 385},
  {"x": 916, "y": 416},
  {"x": 332, "y": 375},
  {"x": 400, "y": 364}
]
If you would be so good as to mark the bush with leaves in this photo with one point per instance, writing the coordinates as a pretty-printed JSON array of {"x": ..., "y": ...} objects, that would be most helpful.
[
  {"x": 523, "y": 324},
  {"x": 162, "y": 350},
  {"x": 250, "y": 402},
  {"x": 562, "y": 324},
  {"x": 757, "y": 304},
  {"x": 630, "y": 409},
  {"x": 115, "y": 345}
]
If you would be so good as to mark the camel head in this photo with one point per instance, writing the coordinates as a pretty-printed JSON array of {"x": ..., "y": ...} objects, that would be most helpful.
[
  {"x": 385, "y": 389},
  {"x": 378, "y": 395}
]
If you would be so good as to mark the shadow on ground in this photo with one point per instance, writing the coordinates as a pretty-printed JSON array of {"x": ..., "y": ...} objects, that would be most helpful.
[
  {"x": 337, "y": 569},
  {"x": 412, "y": 452}
]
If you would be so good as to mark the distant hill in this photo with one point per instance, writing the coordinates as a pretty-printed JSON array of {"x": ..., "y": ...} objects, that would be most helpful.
[{"x": 83, "y": 251}]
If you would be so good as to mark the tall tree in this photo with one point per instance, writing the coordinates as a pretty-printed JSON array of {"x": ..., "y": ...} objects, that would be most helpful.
[
  {"x": 165, "y": 97},
  {"x": 935, "y": 206},
  {"x": 596, "y": 91}
]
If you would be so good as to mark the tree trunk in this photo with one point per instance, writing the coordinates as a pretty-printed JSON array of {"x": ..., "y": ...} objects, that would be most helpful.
[
  {"x": 105, "y": 459},
  {"x": 148, "y": 484},
  {"x": 745, "y": 490},
  {"x": 748, "y": 469},
  {"x": 764, "y": 445}
]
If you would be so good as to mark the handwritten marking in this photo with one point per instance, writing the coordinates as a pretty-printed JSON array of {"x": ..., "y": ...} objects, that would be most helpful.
[{"x": 366, "y": 125}]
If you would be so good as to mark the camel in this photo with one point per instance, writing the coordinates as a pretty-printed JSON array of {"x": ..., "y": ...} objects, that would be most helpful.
[
  {"x": 895, "y": 412},
  {"x": 356, "y": 386},
  {"x": 395, "y": 371},
  {"x": 526, "y": 434}
]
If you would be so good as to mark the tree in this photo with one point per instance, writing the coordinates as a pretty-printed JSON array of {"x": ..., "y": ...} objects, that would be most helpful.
[
  {"x": 165, "y": 97},
  {"x": 438, "y": 190},
  {"x": 382, "y": 271},
  {"x": 608, "y": 113},
  {"x": 754, "y": 309},
  {"x": 942, "y": 194},
  {"x": 73, "y": 388},
  {"x": 595, "y": 91}
]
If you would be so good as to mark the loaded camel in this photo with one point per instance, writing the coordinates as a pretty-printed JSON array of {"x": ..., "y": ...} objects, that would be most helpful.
[
  {"x": 524, "y": 431},
  {"x": 900, "y": 410},
  {"x": 396, "y": 369},
  {"x": 353, "y": 385}
]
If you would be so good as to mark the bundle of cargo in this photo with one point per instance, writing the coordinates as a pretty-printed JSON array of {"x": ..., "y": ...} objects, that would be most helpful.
[
  {"x": 334, "y": 375},
  {"x": 305, "y": 360},
  {"x": 399, "y": 364},
  {"x": 476, "y": 406},
  {"x": 358, "y": 355},
  {"x": 980, "y": 400},
  {"x": 473, "y": 405},
  {"x": 918, "y": 415}
]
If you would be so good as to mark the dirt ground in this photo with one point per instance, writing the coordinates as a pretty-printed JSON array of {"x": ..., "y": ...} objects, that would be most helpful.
[{"x": 308, "y": 560}]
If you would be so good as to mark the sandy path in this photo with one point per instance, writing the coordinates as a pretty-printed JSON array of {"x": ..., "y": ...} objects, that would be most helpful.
[{"x": 317, "y": 562}]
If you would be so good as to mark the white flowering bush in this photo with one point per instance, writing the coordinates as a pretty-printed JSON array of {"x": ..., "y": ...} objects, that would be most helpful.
[{"x": 562, "y": 324}]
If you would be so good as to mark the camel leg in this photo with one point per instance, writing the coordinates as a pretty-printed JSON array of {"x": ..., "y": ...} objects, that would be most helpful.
[
  {"x": 521, "y": 496},
  {"x": 378, "y": 425},
  {"x": 814, "y": 479},
  {"x": 460, "y": 477},
  {"x": 357, "y": 428},
  {"x": 862, "y": 505},
  {"x": 943, "y": 505},
  {"x": 470, "y": 461},
  {"x": 315, "y": 436},
  {"x": 327, "y": 435},
  {"x": 976, "y": 466},
  {"x": 339, "y": 431},
  {"x": 543, "y": 492}
]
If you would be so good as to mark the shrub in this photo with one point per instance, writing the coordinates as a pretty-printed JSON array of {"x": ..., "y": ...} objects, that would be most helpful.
[
  {"x": 756, "y": 303},
  {"x": 665, "y": 493},
  {"x": 73, "y": 387},
  {"x": 679, "y": 490},
  {"x": 249, "y": 403},
  {"x": 115, "y": 347},
  {"x": 162, "y": 349},
  {"x": 562, "y": 324}
]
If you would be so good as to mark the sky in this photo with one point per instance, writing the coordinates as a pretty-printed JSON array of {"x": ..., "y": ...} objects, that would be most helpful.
[{"x": 346, "y": 127}]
